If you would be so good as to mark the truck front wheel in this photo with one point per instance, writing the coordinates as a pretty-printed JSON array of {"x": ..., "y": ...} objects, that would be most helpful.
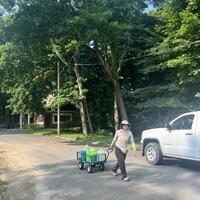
[{"x": 153, "y": 153}]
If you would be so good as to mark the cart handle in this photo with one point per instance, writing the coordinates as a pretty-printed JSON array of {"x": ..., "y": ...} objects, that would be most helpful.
[{"x": 109, "y": 151}]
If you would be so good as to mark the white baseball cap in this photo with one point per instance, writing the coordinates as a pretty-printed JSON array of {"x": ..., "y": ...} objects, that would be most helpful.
[{"x": 125, "y": 122}]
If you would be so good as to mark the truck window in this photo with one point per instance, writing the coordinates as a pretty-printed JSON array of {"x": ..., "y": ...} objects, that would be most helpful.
[{"x": 183, "y": 123}]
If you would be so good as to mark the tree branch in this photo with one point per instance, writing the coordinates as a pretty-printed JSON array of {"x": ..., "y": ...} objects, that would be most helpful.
[
  {"x": 104, "y": 63},
  {"x": 114, "y": 58},
  {"x": 60, "y": 56},
  {"x": 121, "y": 59}
]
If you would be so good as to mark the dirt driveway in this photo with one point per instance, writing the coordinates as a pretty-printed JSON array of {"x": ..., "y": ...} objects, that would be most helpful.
[{"x": 45, "y": 168}]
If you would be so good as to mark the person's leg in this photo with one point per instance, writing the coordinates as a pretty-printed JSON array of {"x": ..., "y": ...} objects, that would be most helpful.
[
  {"x": 121, "y": 162},
  {"x": 116, "y": 167}
]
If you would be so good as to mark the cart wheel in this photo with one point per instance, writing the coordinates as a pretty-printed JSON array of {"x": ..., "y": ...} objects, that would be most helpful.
[
  {"x": 89, "y": 169},
  {"x": 81, "y": 165},
  {"x": 102, "y": 167}
]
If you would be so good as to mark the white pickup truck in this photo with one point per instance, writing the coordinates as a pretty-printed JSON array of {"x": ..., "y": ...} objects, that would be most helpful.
[{"x": 179, "y": 139}]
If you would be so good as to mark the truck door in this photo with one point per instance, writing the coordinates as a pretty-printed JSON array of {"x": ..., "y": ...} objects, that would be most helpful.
[{"x": 180, "y": 139}]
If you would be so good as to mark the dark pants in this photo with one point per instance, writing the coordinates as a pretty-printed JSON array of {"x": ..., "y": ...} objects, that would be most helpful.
[{"x": 121, "y": 157}]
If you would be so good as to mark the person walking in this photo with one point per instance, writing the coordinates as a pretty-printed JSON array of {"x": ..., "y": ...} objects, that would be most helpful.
[{"x": 122, "y": 138}]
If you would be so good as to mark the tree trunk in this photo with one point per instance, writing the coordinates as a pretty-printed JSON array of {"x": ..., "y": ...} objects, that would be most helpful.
[
  {"x": 89, "y": 119},
  {"x": 113, "y": 76},
  {"x": 85, "y": 119},
  {"x": 116, "y": 114},
  {"x": 83, "y": 112},
  {"x": 119, "y": 98}
]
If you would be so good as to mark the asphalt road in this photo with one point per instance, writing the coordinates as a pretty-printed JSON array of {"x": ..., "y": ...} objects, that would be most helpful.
[{"x": 45, "y": 168}]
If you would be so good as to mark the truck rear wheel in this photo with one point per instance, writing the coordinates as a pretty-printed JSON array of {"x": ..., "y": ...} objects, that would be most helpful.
[{"x": 153, "y": 153}]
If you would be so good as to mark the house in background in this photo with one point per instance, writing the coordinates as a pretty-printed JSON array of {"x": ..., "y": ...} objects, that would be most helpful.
[{"x": 69, "y": 117}]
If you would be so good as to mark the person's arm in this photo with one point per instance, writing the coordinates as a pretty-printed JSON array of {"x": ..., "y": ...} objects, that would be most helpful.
[
  {"x": 132, "y": 141},
  {"x": 114, "y": 140}
]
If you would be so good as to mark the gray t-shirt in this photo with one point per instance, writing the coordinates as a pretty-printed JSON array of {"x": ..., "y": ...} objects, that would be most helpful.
[{"x": 121, "y": 140}]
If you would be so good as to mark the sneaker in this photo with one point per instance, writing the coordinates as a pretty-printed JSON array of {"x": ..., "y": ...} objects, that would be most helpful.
[
  {"x": 114, "y": 173},
  {"x": 125, "y": 179}
]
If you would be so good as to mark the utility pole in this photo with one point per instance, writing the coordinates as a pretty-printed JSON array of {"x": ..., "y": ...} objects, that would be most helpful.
[
  {"x": 21, "y": 120},
  {"x": 29, "y": 120},
  {"x": 58, "y": 95}
]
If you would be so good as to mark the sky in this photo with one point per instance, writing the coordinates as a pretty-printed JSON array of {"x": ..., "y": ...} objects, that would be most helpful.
[{"x": 150, "y": 7}]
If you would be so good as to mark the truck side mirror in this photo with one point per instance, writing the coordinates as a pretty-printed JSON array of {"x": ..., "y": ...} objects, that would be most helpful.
[{"x": 168, "y": 126}]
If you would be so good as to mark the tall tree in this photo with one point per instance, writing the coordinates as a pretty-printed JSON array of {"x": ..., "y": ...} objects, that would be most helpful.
[
  {"x": 169, "y": 68},
  {"x": 43, "y": 26},
  {"x": 106, "y": 27},
  {"x": 180, "y": 44}
]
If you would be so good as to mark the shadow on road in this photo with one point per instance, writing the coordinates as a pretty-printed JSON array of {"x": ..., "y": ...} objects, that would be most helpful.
[
  {"x": 186, "y": 164},
  {"x": 64, "y": 181}
]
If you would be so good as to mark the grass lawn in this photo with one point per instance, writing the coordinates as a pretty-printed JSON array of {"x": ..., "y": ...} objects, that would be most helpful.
[
  {"x": 103, "y": 139},
  {"x": 3, "y": 190}
]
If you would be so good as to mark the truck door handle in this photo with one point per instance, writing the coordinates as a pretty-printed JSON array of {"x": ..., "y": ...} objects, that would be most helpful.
[{"x": 188, "y": 133}]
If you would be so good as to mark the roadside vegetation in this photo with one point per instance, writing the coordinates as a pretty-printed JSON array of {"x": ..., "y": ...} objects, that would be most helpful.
[{"x": 99, "y": 138}]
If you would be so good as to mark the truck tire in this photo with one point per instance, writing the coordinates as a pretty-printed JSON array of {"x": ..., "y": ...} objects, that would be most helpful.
[{"x": 153, "y": 153}]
